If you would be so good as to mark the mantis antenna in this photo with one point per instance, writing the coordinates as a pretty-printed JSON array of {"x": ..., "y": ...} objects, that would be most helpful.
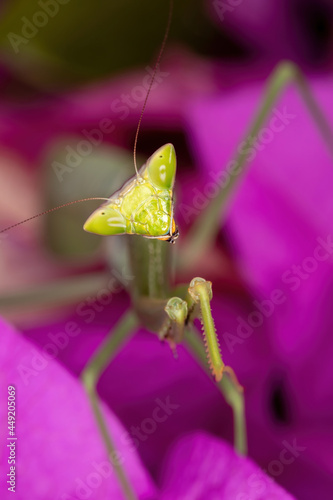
[
  {"x": 48, "y": 211},
  {"x": 166, "y": 34}
]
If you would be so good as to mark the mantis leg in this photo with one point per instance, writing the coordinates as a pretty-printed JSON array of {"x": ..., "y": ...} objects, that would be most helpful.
[
  {"x": 231, "y": 393},
  {"x": 205, "y": 228},
  {"x": 64, "y": 291},
  {"x": 182, "y": 313},
  {"x": 90, "y": 376}
]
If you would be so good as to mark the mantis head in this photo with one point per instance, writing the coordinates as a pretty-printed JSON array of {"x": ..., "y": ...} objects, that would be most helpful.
[{"x": 144, "y": 205}]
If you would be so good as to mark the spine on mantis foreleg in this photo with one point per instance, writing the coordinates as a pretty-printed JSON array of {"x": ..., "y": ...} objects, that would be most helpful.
[{"x": 201, "y": 293}]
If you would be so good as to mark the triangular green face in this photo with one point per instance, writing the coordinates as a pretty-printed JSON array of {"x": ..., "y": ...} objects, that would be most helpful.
[{"x": 144, "y": 205}]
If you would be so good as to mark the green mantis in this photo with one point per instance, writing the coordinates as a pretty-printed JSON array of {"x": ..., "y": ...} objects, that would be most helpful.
[
  {"x": 171, "y": 313},
  {"x": 142, "y": 211},
  {"x": 144, "y": 206}
]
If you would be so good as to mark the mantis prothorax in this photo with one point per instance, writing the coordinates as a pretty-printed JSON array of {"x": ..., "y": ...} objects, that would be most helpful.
[{"x": 143, "y": 208}]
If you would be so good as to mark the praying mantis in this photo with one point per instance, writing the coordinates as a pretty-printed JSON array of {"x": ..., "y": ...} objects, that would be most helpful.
[
  {"x": 143, "y": 212},
  {"x": 154, "y": 303}
]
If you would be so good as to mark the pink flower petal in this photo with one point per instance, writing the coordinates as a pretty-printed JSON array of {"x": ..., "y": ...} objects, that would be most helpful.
[
  {"x": 202, "y": 467},
  {"x": 59, "y": 451}
]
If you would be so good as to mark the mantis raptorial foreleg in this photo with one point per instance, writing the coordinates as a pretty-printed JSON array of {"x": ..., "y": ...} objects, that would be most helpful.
[
  {"x": 228, "y": 388},
  {"x": 176, "y": 315},
  {"x": 90, "y": 376},
  {"x": 181, "y": 314},
  {"x": 206, "y": 226}
]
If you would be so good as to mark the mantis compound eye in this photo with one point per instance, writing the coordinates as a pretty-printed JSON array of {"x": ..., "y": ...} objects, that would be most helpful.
[{"x": 162, "y": 167}]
